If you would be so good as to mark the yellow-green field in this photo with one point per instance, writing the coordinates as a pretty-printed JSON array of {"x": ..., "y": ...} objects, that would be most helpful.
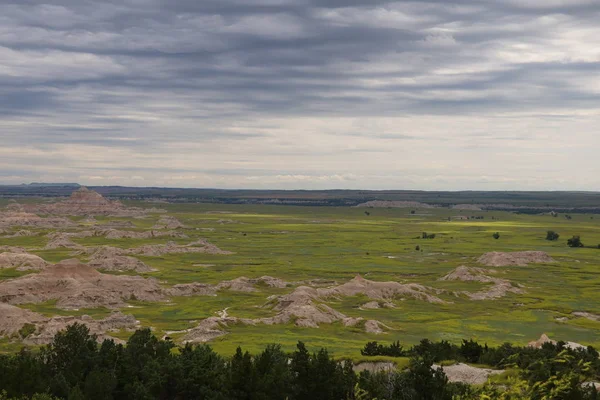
[{"x": 302, "y": 243}]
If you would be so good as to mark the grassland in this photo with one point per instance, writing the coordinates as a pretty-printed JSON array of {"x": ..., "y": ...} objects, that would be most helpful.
[{"x": 337, "y": 243}]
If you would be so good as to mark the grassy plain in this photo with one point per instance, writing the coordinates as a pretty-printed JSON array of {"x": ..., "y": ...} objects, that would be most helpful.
[{"x": 337, "y": 243}]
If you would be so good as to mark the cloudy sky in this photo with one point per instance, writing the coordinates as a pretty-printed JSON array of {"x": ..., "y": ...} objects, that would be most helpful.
[{"x": 428, "y": 94}]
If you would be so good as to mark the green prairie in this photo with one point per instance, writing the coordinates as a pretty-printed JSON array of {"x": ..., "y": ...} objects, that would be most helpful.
[{"x": 337, "y": 243}]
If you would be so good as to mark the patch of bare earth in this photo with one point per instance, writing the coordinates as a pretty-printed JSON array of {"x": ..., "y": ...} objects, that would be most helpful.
[
  {"x": 305, "y": 307},
  {"x": 537, "y": 344},
  {"x": 199, "y": 246},
  {"x": 10, "y": 219},
  {"x": 241, "y": 284},
  {"x": 22, "y": 261},
  {"x": 168, "y": 222},
  {"x": 118, "y": 234},
  {"x": 74, "y": 285},
  {"x": 514, "y": 259},
  {"x": 467, "y": 374},
  {"x": 590, "y": 316},
  {"x": 500, "y": 287},
  {"x": 44, "y": 329},
  {"x": 60, "y": 240},
  {"x": 105, "y": 258}
]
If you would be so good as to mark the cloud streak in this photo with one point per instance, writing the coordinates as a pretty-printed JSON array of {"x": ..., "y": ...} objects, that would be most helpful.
[{"x": 458, "y": 94}]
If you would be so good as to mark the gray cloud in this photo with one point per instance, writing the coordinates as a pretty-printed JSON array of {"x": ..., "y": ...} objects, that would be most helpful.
[{"x": 273, "y": 92}]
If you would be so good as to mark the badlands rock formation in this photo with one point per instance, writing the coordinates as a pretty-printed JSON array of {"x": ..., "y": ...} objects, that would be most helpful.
[
  {"x": 74, "y": 285},
  {"x": 515, "y": 259}
]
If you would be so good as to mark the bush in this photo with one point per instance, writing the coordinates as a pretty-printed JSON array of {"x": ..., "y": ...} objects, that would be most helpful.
[
  {"x": 426, "y": 235},
  {"x": 552, "y": 236},
  {"x": 575, "y": 241},
  {"x": 27, "y": 330},
  {"x": 496, "y": 236}
]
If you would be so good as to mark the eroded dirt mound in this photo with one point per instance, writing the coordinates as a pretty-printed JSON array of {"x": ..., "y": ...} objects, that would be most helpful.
[
  {"x": 61, "y": 241},
  {"x": 35, "y": 221},
  {"x": 241, "y": 284},
  {"x": 500, "y": 287},
  {"x": 211, "y": 328},
  {"x": 516, "y": 259},
  {"x": 13, "y": 318},
  {"x": 21, "y": 261},
  {"x": 466, "y": 274},
  {"x": 168, "y": 222},
  {"x": 537, "y": 344},
  {"x": 116, "y": 321},
  {"x": 467, "y": 374},
  {"x": 379, "y": 290},
  {"x": 75, "y": 285},
  {"x": 118, "y": 263},
  {"x": 200, "y": 246},
  {"x": 118, "y": 234},
  {"x": 21, "y": 233},
  {"x": 86, "y": 202}
]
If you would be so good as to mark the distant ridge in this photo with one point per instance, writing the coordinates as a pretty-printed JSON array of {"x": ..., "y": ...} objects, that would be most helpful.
[{"x": 43, "y": 184}]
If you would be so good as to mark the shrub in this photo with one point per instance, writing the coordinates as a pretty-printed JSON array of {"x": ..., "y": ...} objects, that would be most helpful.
[
  {"x": 496, "y": 235},
  {"x": 426, "y": 235},
  {"x": 552, "y": 236},
  {"x": 575, "y": 241},
  {"x": 27, "y": 330}
]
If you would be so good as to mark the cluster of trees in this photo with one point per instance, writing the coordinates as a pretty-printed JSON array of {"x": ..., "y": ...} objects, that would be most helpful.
[
  {"x": 426, "y": 235},
  {"x": 376, "y": 349},
  {"x": 75, "y": 366}
]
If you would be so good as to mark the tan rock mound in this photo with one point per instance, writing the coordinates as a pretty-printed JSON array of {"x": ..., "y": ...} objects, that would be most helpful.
[
  {"x": 241, "y": 284},
  {"x": 21, "y": 233},
  {"x": 44, "y": 329},
  {"x": 13, "y": 318},
  {"x": 118, "y": 234},
  {"x": 13, "y": 249},
  {"x": 590, "y": 316},
  {"x": 467, "y": 374},
  {"x": 200, "y": 246},
  {"x": 515, "y": 259},
  {"x": 75, "y": 285},
  {"x": 22, "y": 261},
  {"x": 376, "y": 327},
  {"x": 34, "y": 221},
  {"x": 379, "y": 290},
  {"x": 500, "y": 288},
  {"x": 117, "y": 225},
  {"x": 192, "y": 289},
  {"x": 115, "y": 322},
  {"x": 86, "y": 202},
  {"x": 168, "y": 222},
  {"x": 538, "y": 344},
  {"x": 213, "y": 327},
  {"x": 118, "y": 263},
  {"x": 61, "y": 241}
]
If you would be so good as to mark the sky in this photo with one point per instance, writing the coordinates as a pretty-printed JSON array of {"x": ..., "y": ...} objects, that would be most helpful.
[{"x": 302, "y": 94}]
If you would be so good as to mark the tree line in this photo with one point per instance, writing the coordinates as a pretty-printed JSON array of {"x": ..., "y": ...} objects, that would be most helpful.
[{"x": 75, "y": 366}]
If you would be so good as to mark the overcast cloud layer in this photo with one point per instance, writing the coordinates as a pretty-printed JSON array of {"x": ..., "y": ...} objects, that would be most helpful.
[{"x": 430, "y": 94}]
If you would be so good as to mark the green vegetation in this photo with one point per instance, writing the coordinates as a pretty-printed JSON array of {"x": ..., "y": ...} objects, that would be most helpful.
[
  {"x": 299, "y": 244},
  {"x": 552, "y": 236},
  {"x": 76, "y": 366}
]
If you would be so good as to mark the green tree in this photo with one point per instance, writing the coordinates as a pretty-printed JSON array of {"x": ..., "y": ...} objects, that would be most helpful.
[
  {"x": 575, "y": 241},
  {"x": 552, "y": 236}
]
